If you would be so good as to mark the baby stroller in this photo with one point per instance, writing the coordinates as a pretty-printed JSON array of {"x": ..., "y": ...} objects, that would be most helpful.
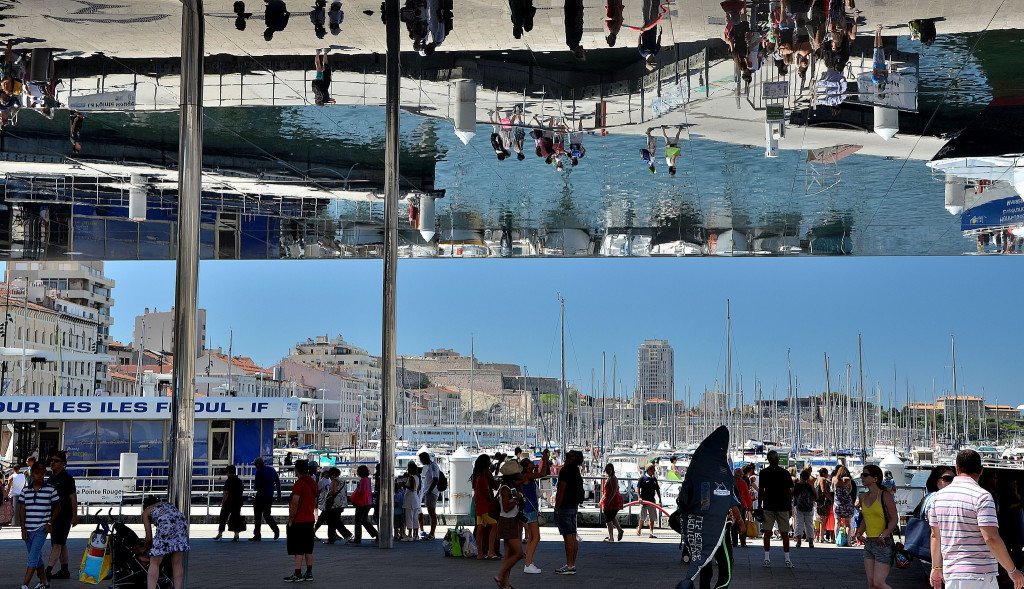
[{"x": 130, "y": 565}]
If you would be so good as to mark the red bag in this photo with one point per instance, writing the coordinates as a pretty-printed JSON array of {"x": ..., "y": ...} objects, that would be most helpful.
[
  {"x": 362, "y": 496},
  {"x": 616, "y": 502}
]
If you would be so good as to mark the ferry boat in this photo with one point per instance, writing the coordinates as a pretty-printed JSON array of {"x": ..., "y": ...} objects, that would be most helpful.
[{"x": 97, "y": 431}]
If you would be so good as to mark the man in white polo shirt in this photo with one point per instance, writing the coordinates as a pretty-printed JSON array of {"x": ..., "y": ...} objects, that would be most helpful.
[{"x": 966, "y": 547}]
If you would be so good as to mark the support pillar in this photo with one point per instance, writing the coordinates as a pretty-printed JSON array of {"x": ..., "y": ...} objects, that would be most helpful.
[
  {"x": 389, "y": 368},
  {"x": 186, "y": 265}
]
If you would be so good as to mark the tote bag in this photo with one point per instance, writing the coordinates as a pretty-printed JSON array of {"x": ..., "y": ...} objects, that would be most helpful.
[{"x": 917, "y": 539}]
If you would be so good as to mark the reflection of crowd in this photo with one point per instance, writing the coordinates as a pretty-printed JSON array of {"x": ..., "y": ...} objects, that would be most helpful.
[
  {"x": 554, "y": 140},
  {"x": 672, "y": 150},
  {"x": 18, "y": 90},
  {"x": 1001, "y": 241},
  {"x": 794, "y": 31}
]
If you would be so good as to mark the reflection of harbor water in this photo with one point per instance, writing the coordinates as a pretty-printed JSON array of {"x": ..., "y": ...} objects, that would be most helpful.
[
  {"x": 989, "y": 68},
  {"x": 887, "y": 206},
  {"x": 725, "y": 198}
]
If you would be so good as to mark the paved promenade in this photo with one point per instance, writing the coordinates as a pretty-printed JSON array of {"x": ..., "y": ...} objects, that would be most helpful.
[
  {"x": 636, "y": 562},
  {"x": 116, "y": 28}
]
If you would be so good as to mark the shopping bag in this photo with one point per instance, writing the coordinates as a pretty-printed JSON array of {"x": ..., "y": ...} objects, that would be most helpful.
[
  {"x": 453, "y": 542},
  {"x": 751, "y": 529},
  {"x": 918, "y": 539},
  {"x": 842, "y": 537},
  {"x": 94, "y": 568}
]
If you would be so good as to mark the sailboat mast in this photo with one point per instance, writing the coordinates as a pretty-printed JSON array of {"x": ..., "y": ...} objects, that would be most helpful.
[
  {"x": 952, "y": 345},
  {"x": 561, "y": 385},
  {"x": 828, "y": 403},
  {"x": 604, "y": 395},
  {"x": 863, "y": 414},
  {"x": 728, "y": 353},
  {"x": 789, "y": 377},
  {"x": 615, "y": 395},
  {"x": 472, "y": 394}
]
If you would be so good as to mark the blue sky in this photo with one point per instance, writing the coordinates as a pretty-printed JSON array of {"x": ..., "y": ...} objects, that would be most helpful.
[{"x": 906, "y": 309}]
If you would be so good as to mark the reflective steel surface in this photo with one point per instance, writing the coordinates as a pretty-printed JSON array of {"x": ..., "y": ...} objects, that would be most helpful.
[{"x": 768, "y": 128}]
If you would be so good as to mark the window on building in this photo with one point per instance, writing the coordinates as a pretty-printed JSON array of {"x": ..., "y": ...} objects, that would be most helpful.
[
  {"x": 80, "y": 440},
  {"x": 200, "y": 450},
  {"x": 113, "y": 439},
  {"x": 148, "y": 439},
  {"x": 220, "y": 441}
]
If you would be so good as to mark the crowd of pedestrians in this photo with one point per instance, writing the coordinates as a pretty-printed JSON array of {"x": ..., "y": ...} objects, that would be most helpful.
[{"x": 964, "y": 507}]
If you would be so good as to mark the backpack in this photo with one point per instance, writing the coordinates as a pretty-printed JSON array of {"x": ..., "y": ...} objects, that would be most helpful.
[
  {"x": 805, "y": 499},
  {"x": 442, "y": 481}
]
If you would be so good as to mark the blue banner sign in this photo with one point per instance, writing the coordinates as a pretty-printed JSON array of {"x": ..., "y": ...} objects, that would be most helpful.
[
  {"x": 1002, "y": 212},
  {"x": 100, "y": 408}
]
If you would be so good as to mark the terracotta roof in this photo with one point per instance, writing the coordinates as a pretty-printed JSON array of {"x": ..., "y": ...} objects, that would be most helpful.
[
  {"x": 116, "y": 373},
  {"x": 243, "y": 363}
]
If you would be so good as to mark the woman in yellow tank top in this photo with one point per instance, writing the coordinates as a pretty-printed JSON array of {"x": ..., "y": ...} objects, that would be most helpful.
[{"x": 878, "y": 520}]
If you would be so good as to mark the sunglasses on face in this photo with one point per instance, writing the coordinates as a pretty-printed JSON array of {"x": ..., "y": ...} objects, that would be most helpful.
[{"x": 948, "y": 478}]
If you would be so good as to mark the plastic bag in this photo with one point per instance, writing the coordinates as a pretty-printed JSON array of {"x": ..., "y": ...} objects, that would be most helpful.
[{"x": 469, "y": 549}]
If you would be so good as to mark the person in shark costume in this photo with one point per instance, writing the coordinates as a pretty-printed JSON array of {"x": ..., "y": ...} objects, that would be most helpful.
[{"x": 706, "y": 500}]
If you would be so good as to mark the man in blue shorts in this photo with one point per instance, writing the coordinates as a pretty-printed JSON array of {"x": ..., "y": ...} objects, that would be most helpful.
[{"x": 567, "y": 502}]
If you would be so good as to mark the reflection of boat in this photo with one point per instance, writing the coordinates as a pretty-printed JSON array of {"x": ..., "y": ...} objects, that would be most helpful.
[
  {"x": 567, "y": 241},
  {"x": 731, "y": 242},
  {"x": 625, "y": 245},
  {"x": 677, "y": 248},
  {"x": 991, "y": 148}
]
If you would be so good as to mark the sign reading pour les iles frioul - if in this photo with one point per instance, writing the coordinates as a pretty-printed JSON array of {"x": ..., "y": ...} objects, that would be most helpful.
[{"x": 110, "y": 408}]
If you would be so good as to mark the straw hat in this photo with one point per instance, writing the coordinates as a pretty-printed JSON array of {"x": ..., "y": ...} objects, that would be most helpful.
[{"x": 511, "y": 467}]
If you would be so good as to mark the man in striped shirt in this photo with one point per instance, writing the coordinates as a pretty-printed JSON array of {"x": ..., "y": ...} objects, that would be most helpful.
[
  {"x": 38, "y": 506},
  {"x": 966, "y": 547}
]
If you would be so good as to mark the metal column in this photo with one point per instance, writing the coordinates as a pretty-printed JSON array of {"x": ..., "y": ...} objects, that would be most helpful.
[
  {"x": 389, "y": 369},
  {"x": 190, "y": 165}
]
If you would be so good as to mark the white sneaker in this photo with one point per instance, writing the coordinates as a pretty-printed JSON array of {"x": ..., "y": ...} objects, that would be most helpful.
[{"x": 531, "y": 569}]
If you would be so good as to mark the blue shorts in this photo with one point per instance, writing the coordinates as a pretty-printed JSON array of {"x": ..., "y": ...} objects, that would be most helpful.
[
  {"x": 34, "y": 543},
  {"x": 530, "y": 515},
  {"x": 565, "y": 519}
]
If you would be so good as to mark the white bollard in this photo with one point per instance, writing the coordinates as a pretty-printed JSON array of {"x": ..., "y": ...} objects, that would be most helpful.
[{"x": 460, "y": 489}]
